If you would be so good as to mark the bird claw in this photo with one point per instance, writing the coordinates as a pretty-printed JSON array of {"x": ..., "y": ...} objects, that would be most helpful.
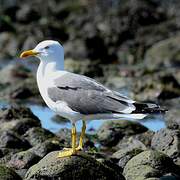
[{"x": 67, "y": 152}]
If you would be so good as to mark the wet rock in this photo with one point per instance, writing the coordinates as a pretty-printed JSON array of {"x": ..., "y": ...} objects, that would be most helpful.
[
  {"x": 172, "y": 104},
  {"x": 9, "y": 139},
  {"x": 172, "y": 119},
  {"x": 20, "y": 126},
  {"x": 139, "y": 141},
  {"x": 124, "y": 155},
  {"x": 74, "y": 167},
  {"x": 16, "y": 112},
  {"x": 156, "y": 86},
  {"x": 8, "y": 174},
  {"x": 167, "y": 141},
  {"x": 111, "y": 132},
  {"x": 130, "y": 142},
  {"x": 23, "y": 160},
  {"x": 8, "y": 46},
  {"x": 109, "y": 163},
  {"x": 44, "y": 148},
  {"x": 85, "y": 67},
  {"x": 129, "y": 147},
  {"x": 164, "y": 53},
  {"x": 145, "y": 137},
  {"x": 37, "y": 135},
  {"x": 7, "y": 153},
  {"x": 171, "y": 87},
  {"x": 13, "y": 73},
  {"x": 19, "y": 83},
  {"x": 21, "y": 172},
  {"x": 26, "y": 89},
  {"x": 27, "y": 14},
  {"x": 149, "y": 164}
]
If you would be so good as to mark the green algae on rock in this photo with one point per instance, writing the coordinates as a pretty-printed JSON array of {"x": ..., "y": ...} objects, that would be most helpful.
[
  {"x": 75, "y": 167},
  {"x": 111, "y": 132},
  {"x": 8, "y": 174},
  {"x": 149, "y": 164}
]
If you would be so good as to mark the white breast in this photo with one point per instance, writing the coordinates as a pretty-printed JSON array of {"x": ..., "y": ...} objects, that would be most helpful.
[{"x": 45, "y": 79}]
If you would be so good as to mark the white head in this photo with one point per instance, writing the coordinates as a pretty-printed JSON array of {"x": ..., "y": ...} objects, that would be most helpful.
[{"x": 46, "y": 51}]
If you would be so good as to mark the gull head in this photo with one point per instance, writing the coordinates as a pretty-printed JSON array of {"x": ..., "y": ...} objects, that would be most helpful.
[{"x": 48, "y": 50}]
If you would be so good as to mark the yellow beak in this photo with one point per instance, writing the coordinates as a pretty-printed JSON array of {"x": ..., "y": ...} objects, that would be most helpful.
[{"x": 28, "y": 53}]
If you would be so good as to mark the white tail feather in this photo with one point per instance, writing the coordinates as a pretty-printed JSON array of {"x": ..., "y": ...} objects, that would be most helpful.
[{"x": 130, "y": 116}]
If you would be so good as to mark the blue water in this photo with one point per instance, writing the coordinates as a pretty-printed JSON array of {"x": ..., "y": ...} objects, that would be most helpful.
[{"x": 154, "y": 123}]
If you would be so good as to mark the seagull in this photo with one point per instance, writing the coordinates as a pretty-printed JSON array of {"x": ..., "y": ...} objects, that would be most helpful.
[{"x": 77, "y": 97}]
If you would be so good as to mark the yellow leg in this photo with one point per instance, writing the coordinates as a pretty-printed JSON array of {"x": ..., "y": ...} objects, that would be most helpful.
[
  {"x": 80, "y": 147},
  {"x": 71, "y": 151}
]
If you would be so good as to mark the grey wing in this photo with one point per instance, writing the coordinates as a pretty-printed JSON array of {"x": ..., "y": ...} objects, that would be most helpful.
[{"x": 86, "y": 96}]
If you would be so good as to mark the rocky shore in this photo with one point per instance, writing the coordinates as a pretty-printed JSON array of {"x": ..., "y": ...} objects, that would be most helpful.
[
  {"x": 126, "y": 150},
  {"x": 132, "y": 46}
]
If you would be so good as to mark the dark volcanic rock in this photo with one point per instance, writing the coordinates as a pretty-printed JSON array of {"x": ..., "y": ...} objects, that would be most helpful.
[
  {"x": 18, "y": 83},
  {"x": 37, "y": 135},
  {"x": 124, "y": 155},
  {"x": 172, "y": 119},
  {"x": 8, "y": 174},
  {"x": 167, "y": 141},
  {"x": 149, "y": 164},
  {"x": 20, "y": 126},
  {"x": 141, "y": 141},
  {"x": 23, "y": 160},
  {"x": 111, "y": 132},
  {"x": 16, "y": 112},
  {"x": 9, "y": 139},
  {"x": 75, "y": 167},
  {"x": 44, "y": 148},
  {"x": 164, "y": 53}
]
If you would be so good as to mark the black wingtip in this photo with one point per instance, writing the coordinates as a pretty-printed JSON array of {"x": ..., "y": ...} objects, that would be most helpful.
[{"x": 148, "y": 108}]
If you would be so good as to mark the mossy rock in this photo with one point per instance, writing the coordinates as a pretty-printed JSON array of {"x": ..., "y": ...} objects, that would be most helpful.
[
  {"x": 166, "y": 52},
  {"x": 168, "y": 142},
  {"x": 37, "y": 135},
  {"x": 23, "y": 160},
  {"x": 75, "y": 167},
  {"x": 111, "y": 132},
  {"x": 8, "y": 174},
  {"x": 149, "y": 164}
]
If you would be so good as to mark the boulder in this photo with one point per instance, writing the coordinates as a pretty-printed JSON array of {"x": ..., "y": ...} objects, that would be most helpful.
[
  {"x": 8, "y": 174},
  {"x": 23, "y": 160},
  {"x": 20, "y": 126},
  {"x": 142, "y": 141},
  {"x": 111, "y": 132},
  {"x": 74, "y": 167},
  {"x": 164, "y": 53},
  {"x": 124, "y": 155},
  {"x": 172, "y": 119},
  {"x": 168, "y": 142},
  {"x": 47, "y": 146},
  {"x": 9, "y": 43},
  {"x": 18, "y": 83},
  {"x": 16, "y": 112},
  {"x": 37, "y": 135},
  {"x": 9, "y": 139},
  {"x": 149, "y": 164}
]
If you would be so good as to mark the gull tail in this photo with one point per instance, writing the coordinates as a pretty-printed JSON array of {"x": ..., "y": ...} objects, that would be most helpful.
[{"x": 141, "y": 110}]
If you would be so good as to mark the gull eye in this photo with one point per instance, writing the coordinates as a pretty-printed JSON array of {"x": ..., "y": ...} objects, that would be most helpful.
[{"x": 47, "y": 47}]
